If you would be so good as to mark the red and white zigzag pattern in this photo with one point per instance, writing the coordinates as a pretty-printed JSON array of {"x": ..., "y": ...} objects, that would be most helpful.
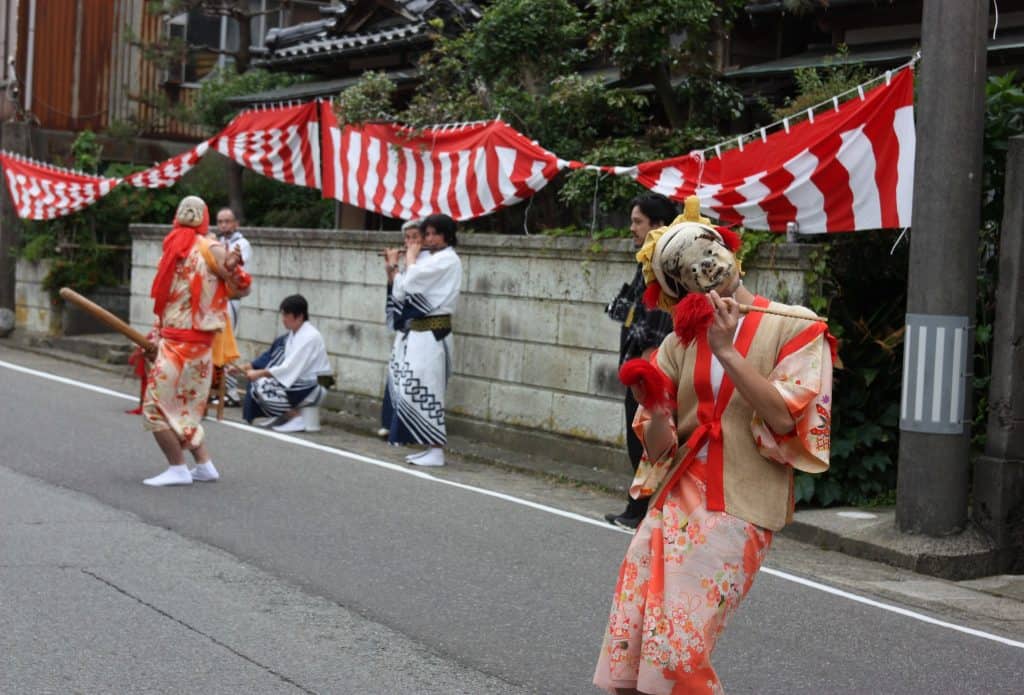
[
  {"x": 167, "y": 173},
  {"x": 847, "y": 168},
  {"x": 42, "y": 192}
]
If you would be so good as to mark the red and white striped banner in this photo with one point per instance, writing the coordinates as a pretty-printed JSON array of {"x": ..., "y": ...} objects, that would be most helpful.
[
  {"x": 282, "y": 143},
  {"x": 848, "y": 168},
  {"x": 167, "y": 173},
  {"x": 42, "y": 192},
  {"x": 464, "y": 171},
  {"x": 845, "y": 168}
]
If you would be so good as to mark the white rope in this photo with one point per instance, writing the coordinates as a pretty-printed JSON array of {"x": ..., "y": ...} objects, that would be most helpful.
[
  {"x": 699, "y": 156},
  {"x": 898, "y": 240},
  {"x": 526, "y": 216},
  {"x": 995, "y": 27},
  {"x": 593, "y": 207}
]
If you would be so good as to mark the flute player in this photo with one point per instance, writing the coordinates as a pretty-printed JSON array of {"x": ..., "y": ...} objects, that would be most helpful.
[{"x": 412, "y": 235}]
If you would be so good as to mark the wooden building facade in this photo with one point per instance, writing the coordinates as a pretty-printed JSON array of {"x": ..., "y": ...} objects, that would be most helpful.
[{"x": 79, "y": 65}]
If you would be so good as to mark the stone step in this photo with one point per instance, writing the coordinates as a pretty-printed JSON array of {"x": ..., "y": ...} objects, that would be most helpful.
[{"x": 111, "y": 348}]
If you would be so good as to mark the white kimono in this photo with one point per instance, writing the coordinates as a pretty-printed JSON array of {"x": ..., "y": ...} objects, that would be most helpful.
[
  {"x": 235, "y": 241},
  {"x": 294, "y": 371},
  {"x": 421, "y": 361}
]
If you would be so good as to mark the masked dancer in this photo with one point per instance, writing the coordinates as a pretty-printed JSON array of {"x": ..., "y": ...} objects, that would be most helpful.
[
  {"x": 194, "y": 280},
  {"x": 734, "y": 402}
]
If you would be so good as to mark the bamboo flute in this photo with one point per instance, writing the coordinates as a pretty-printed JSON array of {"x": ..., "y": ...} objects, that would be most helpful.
[{"x": 747, "y": 308}]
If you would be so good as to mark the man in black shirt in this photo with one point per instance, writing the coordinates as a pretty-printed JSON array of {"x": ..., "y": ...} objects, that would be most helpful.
[{"x": 643, "y": 330}]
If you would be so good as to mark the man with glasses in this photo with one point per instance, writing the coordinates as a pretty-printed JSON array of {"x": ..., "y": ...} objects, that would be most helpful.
[{"x": 233, "y": 240}]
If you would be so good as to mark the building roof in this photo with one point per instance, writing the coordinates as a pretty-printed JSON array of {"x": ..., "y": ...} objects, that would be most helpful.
[
  {"x": 324, "y": 45},
  {"x": 874, "y": 54},
  {"x": 304, "y": 91},
  {"x": 357, "y": 28}
]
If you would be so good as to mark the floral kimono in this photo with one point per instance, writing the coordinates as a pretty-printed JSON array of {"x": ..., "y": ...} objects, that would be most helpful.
[
  {"x": 179, "y": 382},
  {"x": 691, "y": 561}
]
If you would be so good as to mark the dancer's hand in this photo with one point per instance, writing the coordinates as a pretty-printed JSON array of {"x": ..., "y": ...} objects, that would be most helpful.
[
  {"x": 723, "y": 328},
  {"x": 233, "y": 260}
]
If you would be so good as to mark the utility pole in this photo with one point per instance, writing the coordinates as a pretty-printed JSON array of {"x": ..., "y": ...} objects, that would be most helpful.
[{"x": 934, "y": 461}]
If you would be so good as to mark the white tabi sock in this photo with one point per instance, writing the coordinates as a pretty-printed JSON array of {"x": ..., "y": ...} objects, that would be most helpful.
[
  {"x": 205, "y": 472},
  {"x": 434, "y": 456},
  {"x": 174, "y": 475},
  {"x": 418, "y": 454}
]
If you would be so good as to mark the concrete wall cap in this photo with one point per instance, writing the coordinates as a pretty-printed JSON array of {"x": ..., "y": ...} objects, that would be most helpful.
[{"x": 618, "y": 250}]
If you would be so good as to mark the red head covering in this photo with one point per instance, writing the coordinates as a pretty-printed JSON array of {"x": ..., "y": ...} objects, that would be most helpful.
[{"x": 177, "y": 246}]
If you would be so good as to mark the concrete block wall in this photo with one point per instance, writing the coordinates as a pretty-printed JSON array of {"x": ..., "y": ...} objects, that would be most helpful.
[
  {"x": 34, "y": 311},
  {"x": 532, "y": 345}
]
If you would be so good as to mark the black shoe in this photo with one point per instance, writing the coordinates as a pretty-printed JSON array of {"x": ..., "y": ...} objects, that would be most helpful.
[
  {"x": 627, "y": 522},
  {"x": 610, "y": 517}
]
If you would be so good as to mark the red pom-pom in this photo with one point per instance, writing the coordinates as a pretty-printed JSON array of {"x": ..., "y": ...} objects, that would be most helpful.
[
  {"x": 651, "y": 295},
  {"x": 658, "y": 389},
  {"x": 693, "y": 317},
  {"x": 732, "y": 239},
  {"x": 242, "y": 279}
]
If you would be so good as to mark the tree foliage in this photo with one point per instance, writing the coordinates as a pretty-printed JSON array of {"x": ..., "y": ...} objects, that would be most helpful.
[
  {"x": 818, "y": 85},
  {"x": 212, "y": 108},
  {"x": 654, "y": 39},
  {"x": 370, "y": 99},
  {"x": 531, "y": 62}
]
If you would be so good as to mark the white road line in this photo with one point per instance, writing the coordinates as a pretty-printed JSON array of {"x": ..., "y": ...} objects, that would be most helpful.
[
  {"x": 533, "y": 505},
  {"x": 892, "y": 609}
]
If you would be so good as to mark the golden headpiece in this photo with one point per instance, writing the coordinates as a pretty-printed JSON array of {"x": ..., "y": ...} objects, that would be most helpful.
[{"x": 689, "y": 255}]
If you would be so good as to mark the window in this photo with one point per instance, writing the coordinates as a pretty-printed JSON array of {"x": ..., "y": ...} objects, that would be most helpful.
[
  {"x": 296, "y": 12},
  {"x": 205, "y": 36},
  {"x": 209, "y": 35},
  {"x": 264, "y": 22}
]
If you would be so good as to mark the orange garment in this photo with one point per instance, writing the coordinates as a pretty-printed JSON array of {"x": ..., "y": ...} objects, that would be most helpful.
[{"x": 225, "y": 350}]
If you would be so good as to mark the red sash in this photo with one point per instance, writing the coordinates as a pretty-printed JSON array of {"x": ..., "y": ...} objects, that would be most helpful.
[
  {"x": 186, "y": 335},
  {"x": 709, "y": 415}
]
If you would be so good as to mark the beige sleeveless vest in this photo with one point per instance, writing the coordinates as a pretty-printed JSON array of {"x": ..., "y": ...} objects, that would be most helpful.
[{"x": 756, "y": 489}]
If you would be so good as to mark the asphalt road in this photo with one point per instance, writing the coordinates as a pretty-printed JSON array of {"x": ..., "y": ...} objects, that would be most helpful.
[{"x": 512, "y": 594}]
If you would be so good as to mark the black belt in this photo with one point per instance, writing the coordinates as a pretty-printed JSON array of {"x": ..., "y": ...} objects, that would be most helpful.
[{"x": 431, "y": 323}]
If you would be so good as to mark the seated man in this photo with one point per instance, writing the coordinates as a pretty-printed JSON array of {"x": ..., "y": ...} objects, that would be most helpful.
[{"x": 283, "y": 380}]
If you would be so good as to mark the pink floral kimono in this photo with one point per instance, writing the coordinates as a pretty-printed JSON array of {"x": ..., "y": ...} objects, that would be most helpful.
[{"x": 688, "y": 568}]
